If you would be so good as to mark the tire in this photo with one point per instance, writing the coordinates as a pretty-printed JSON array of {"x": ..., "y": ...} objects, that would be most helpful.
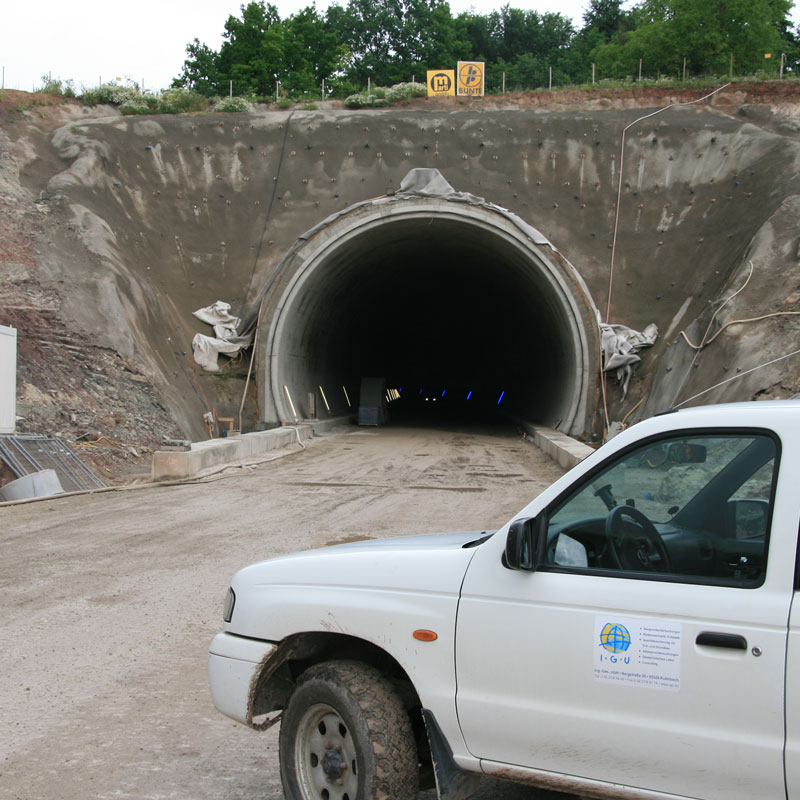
[{"x": 345, "y": 735}]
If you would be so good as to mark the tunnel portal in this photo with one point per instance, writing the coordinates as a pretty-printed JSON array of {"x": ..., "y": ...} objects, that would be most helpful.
[{"x": 452, "y": 302}]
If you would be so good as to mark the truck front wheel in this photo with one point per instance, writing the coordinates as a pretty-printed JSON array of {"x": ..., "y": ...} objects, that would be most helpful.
[{"x": 345, "y": 735}]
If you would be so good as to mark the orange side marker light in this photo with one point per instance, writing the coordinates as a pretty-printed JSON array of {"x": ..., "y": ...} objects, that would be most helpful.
[{"x": 425, "y": 636}]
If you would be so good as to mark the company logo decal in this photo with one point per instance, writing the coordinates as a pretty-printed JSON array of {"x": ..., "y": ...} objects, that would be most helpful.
[{"x": 615, "y": 638}]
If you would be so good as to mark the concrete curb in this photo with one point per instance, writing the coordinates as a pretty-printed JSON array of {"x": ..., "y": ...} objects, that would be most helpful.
[
  {"x": 170, "y": 465},
  {"x": 564, "y": 450}
]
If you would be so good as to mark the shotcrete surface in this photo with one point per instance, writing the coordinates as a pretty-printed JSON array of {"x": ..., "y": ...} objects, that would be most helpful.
[{"x": 114, "y": 229}]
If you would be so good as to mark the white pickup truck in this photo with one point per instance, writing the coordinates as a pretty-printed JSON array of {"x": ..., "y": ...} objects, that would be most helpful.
[{"x": 631, "y": 633}]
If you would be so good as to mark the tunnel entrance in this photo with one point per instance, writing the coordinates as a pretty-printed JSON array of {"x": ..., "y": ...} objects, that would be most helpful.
[{"x": 459, "y": 302}]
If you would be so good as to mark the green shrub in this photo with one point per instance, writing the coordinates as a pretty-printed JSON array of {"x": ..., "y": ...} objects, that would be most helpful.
[
  {"x": 131, "y": 101},
  {"x": 110, "y": 94},
  {"x": 57, "y": 87},
  {"x": 90, "y": 97},
  {"x": 379, "y": 97},
  {"x": 284, "y": 102},
  {"x": 135, "y": 107},
  {"x": 232, "y": 104},
  {"x": 308, "y": 107},
  {"x": 176, "y": 101},
  {"x": 367, "y": 100},
  {"x": 51, "y": 85},
  {"x": 124, "y": 94},
  {"x": 405, "y": 91}
]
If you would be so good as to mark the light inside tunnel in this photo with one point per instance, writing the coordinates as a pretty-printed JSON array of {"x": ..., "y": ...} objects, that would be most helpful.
[{"x": 453, "y": 307}]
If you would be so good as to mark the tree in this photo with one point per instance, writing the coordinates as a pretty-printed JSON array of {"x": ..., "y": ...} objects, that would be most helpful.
[
  {"x": 312, "y": 51},
  {"x": 707, "y": 33},
  {"x": 253, "y": 54},
  {"x": 388, "y": 41},
  {"x": 604, "y": 16},
  {"x": 200, "y": 71},
  {"x": 712, "y": 31}
]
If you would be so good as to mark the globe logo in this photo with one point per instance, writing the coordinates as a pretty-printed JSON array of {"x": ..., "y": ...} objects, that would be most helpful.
[{"x": 615, "y": 637}]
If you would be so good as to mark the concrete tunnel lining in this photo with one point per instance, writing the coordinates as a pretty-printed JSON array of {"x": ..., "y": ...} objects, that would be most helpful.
[{"x": 434, "y": 293}]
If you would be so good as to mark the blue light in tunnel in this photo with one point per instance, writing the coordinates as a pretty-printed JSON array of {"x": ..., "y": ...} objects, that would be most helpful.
[
  {"x": 502, "y": 395},
  {"x": 444, "y": 392},
  {"x": 469, "y": 394}
]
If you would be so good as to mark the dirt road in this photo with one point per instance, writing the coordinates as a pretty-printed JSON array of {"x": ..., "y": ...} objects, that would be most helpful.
[{"x": 110, "y": 600}]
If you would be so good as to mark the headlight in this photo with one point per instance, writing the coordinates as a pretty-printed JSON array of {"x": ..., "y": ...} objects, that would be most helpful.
[{"x": 230, "y": 602}]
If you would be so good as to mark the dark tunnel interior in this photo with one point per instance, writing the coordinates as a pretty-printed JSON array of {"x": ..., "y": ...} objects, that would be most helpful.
[{"x": 447, "y": 311}]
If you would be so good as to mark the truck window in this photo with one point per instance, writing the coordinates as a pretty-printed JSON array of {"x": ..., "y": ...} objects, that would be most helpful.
[{"x": 690, "y": 508}]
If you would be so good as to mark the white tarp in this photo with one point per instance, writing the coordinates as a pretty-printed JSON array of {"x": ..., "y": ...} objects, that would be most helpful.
[
  {"x": 620, "y": 345},
  {"x": 225, "y": 339}
]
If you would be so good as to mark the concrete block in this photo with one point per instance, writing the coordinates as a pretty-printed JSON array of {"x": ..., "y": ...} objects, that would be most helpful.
[
  {"x": 564, "y": 450},
  {"x": 170, "y": 464}
]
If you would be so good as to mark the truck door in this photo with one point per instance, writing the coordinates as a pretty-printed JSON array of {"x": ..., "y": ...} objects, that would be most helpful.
[
  {"x": 647, "y": 648},
  {"x": 793, "y": 700}
]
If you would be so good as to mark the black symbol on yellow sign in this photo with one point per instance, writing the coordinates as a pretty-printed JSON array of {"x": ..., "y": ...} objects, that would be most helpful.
[
  {"x": 441, "y": 82},
  {"x": 470, "y": 75}
]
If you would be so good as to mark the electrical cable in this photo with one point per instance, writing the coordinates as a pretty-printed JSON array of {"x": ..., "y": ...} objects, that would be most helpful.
[
  {"x": 616, "y": 225},
  {"x": 734, "y": 377},
  {"x": 619, "y": 187},
  {"x": 736, "y": 322}
]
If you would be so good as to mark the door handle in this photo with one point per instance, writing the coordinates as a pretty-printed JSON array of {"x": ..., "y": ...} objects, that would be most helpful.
[{"x": 731, "y": 641}]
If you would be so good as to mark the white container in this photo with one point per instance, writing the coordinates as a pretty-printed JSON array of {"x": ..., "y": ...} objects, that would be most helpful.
[
  {"x": 37, "y": 484},
  {"x": 8, "y": 379}
]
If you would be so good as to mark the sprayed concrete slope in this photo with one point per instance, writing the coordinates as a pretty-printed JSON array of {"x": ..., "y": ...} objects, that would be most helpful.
[{"x": 150, "y": 218}]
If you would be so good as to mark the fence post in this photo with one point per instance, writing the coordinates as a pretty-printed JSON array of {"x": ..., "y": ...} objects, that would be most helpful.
[
  {"x": 640, "y": 70},
  {"x": 277, "y": 84},
  {"x": 550, "y": 86},
  {"x": 593, "y": 68},
  {"x": 684, "y": 69},
  {"x": 323, "y": 88},
  {"x": 731, "y": 69},
  {"x": 230, "y": 89},
  {"x": 783, "y": 61},
  {"x": 504, "y": 83},
  {"x": 369, "y": 85}
]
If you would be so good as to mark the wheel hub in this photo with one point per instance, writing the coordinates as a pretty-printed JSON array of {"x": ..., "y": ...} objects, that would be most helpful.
[{"x": 333, "y": 765}]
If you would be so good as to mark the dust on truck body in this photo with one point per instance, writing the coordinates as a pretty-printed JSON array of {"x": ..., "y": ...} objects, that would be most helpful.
[{"x": 630, "y": 633}]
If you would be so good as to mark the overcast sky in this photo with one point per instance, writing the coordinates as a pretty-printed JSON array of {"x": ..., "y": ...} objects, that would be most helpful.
[{"x": 90, "y": 40}]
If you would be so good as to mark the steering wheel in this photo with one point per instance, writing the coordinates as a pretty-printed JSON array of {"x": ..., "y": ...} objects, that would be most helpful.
[{"x": 633, "y": 541}]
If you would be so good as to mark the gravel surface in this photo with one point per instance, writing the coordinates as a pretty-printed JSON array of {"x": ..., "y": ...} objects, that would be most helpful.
[{"x": 110, "y": 601}]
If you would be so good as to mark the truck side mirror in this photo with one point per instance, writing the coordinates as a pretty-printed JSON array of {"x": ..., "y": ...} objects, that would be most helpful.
[
  {"x": 747, "y": 518},
  {"x": 520, "y": 552}
]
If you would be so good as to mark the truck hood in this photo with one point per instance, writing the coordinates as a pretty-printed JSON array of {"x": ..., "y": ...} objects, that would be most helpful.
[{"x": 377, "y": 573}]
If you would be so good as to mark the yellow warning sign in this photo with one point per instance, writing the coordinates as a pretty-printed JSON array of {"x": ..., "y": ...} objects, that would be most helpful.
[
  {"x": 470, "y": 78},
  {"x": 441, "y": 82}
]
